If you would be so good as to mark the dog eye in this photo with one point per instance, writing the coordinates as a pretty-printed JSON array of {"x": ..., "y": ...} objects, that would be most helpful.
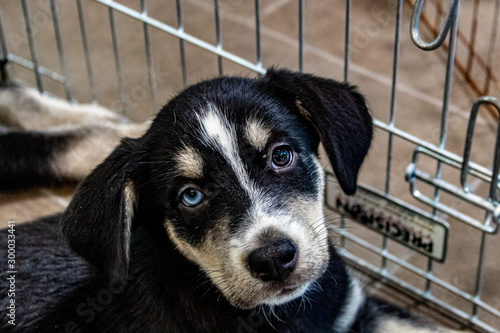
[
  {"x": 191, "y": 197},
  {"x": 282, "y": 156}
]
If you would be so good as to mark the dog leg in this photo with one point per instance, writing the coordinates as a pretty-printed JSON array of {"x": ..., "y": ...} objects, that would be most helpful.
[
  {"x": 388, "y": 325},
  {"x": 27, "y": 109},
  {"x": 49, "y": 158},
  {"x": 45, "y": 140}
]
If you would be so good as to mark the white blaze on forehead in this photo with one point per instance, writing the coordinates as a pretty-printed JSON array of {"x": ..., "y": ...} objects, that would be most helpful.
[
  {"x": 219, "y": 131},
  {"x": 221, "y": 135},
  {"x": 189, "y": 163},
  {"x": 257, "y": 134}
]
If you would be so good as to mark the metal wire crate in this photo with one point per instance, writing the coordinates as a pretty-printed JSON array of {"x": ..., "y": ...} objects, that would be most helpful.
[{"x": 133, "y": 55}]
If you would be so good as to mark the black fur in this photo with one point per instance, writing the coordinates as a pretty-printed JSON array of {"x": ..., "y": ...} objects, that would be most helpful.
[
  {"x": 4, "y": 74},
  {"x": 109, "y": 282},
  {"x": 26, "y": 157}
]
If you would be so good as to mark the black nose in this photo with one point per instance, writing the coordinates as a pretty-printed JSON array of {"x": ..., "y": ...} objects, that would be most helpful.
[{"x": 273, "y": 262}]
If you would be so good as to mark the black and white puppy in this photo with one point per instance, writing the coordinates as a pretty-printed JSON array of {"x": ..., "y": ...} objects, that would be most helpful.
[
  {"x": 210, "y": 222},
  {"x": 48, "y": 141}
]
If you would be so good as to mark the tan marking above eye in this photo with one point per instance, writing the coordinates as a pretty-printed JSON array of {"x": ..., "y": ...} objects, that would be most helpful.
[
  {"x": 257, "y": 134},
  {"x": 189, "y": 163}
]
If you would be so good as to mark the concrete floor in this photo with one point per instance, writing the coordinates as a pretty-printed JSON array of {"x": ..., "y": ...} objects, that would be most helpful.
[{"x": 418, "y": 101}]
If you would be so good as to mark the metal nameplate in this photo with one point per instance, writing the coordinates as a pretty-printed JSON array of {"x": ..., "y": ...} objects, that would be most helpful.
[{"x": 407, "y": 225}]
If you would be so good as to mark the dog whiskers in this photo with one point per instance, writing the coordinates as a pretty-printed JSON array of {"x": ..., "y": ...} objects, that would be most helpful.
[{"x": 266, "y": 317}]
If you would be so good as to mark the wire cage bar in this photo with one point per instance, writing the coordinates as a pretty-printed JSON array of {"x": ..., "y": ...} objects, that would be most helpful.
[{"x": 441, "y": 184}]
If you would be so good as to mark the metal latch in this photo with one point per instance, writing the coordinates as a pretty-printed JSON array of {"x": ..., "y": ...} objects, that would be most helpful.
[{"x": 490, "y": 205}]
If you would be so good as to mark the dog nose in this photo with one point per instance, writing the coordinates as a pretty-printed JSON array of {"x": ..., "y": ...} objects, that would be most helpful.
[{"x": 273, "y": 262}]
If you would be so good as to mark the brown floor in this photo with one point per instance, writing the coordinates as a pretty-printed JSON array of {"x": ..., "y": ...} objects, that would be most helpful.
[{"x": 418, "y": 103}]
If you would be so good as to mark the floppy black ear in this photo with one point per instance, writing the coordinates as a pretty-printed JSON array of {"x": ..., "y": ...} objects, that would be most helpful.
[
  {"x": 97, "y": 222},
  {"x": 338, "y": 113}
]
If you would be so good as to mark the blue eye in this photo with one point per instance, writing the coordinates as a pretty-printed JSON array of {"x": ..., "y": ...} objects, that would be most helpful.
[
  {"x": 191, "y": 197},
  {"x": 282, "y": 156}
]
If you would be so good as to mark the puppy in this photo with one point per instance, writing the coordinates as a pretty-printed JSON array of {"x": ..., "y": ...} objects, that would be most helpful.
[
  {"x": 46, "y": 141},
  {"x": 210, "y": 222}
]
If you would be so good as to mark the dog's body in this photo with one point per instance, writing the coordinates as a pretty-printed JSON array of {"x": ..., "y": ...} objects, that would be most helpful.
[{"x": 210, "y": 222}]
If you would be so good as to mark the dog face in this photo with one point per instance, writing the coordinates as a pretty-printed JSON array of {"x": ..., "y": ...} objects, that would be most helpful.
[
  {"x": 231, "y": 165},
  {"x": 245, "y": 192}
]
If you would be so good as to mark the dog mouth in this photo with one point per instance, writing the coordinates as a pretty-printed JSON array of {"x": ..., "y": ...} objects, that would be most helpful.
[
  {"x": 287, "y": 291},
  {"x": 284, "y": 294}
]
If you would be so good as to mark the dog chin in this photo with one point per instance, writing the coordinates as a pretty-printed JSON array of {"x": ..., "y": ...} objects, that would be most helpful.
[
  {"x": 287, "y": 294},
  {"x": 277, "y": 296}
]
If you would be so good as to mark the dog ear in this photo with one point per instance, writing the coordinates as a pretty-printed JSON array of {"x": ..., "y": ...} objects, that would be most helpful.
[
  {"x": 97, "y": 222},
  {"x": 338, "y": 113}
]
